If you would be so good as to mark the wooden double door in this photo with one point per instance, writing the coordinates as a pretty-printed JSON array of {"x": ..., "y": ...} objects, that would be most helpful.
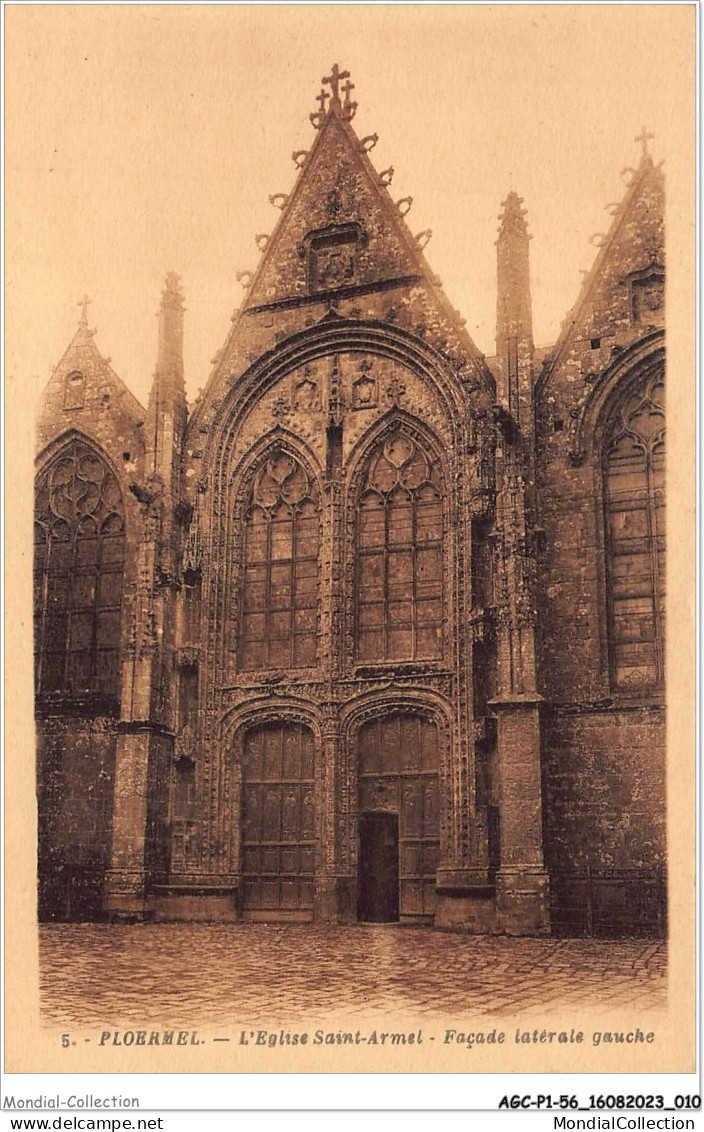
[
  {"x": 398, "y": 805},
  {"x": 399, "y": 823},
  {"x": 278, "y": 821}
]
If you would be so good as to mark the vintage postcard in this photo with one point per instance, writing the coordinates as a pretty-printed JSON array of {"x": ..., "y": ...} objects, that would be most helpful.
[{"x": 350, "y": 735}]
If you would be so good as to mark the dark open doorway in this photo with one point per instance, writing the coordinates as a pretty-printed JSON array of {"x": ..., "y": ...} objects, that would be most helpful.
[{"x": 378, "y": 867}]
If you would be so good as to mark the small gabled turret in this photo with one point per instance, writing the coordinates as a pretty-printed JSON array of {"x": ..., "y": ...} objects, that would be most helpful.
[
  {"x": 84, "y": 393},
  {"x": 622, "y": 296}
]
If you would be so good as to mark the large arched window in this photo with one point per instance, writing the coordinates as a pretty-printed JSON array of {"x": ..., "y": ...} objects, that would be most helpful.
[
  {"x": 634, "y": 480},
  {"x": 399, "y": 554},
  {"x": 278, "y": 627},
  {"x": 78, "y": 560}
]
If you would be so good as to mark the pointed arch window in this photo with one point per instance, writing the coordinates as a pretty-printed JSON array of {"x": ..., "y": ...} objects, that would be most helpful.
[
  {"x": 634, "y": 479},
  {"x": 399, "y": 554},
  {"x": 280, "y": 583},
  {"x": 78, "y": 563}
]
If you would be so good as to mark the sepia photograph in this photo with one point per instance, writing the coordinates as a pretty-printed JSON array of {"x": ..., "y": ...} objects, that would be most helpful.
[{"x": 350, "y": 735}]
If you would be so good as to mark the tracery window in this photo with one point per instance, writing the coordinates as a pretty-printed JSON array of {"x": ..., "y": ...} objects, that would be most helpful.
[
  {"x": 78, "y": 561},
  {"x": 280, "y": 583},
  {"x": 634, "y": 477},
  {"x": 399, "y": 560}
]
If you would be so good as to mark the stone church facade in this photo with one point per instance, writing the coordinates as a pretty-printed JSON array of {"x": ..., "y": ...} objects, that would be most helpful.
[{"x": 374, "y": 630}]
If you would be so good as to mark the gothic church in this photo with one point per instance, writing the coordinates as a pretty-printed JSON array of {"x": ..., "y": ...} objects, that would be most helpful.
[{"x": 374, "y": 630}]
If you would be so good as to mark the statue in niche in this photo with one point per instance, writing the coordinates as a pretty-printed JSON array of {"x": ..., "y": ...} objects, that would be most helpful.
[
  {"x": 364, "y": 393},
  {"x": 306, "y": 397},
  {"x": 648, "y": 298}
]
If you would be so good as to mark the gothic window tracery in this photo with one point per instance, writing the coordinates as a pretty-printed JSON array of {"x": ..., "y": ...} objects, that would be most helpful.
[
  {"x": 399, "y": 560},
  {"x": 78, "y": 564},
  {"x": 280, "y": 575},
  {"x": 634, "y": 479}
]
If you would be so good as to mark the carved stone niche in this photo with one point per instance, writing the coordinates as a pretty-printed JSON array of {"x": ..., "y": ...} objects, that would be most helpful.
[
  {"x": 364, "y": 392},
  {"x": 647, "y": 294},
  {"x": 74, "y": 391},
  {"x": 306, "y": 395},
  {"x": 332, "y": 257}
]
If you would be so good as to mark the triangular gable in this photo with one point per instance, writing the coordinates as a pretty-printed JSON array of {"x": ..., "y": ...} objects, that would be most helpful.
[
  {"x": 83, "y": 389},
  {"x": 630, "y": 257},
  {"x": 340, "y": 235},
  {"x": 83, "y": 356},
  {"x": 339, "y": 226}
]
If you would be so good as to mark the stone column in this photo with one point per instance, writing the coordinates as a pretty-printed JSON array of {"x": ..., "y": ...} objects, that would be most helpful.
[
  {"x": 126, "y": 878},
  {"x": 145, "y": 742},
  {"x": 522, "y": 888},
  {"x": 334, "y": 901},
  {"x": 464, "y": 892},
  {"x": 333, "y": 897}
]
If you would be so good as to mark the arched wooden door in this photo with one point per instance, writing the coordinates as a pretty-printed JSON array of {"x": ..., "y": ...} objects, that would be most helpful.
[
  {"x": 398, "y": 776},
  {"x": 278, "y": 822}
]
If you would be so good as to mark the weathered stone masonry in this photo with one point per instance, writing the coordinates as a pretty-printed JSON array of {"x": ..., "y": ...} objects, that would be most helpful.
[{"x": 375, "y": 628}]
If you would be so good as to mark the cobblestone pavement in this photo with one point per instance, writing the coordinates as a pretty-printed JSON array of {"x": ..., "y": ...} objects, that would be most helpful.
[{"x": 205, "y": 974}]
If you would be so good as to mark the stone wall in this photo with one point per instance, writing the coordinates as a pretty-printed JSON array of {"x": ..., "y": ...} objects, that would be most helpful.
[
  {"x": 77, "y": 733},
  {"x": 75, "y": 781},
  {"x": 604, "y": 746}
]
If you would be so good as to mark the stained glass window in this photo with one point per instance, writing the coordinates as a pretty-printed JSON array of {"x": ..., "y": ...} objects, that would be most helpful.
[
  {"x": 399, "y": 543},
  {"x": 634, "y": 475},
  {"x": 280, "y": 587},
  {"x": 78, "y": 562}
]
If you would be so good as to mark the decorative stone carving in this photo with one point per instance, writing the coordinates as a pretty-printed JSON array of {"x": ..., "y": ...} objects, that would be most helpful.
[
  {"x": 647, "y": 293},
  {"x": 396, "y": 391},
  {"x": 364, "y": 393},
  {"x": 332, "y": 257},
  {"x": 281, "y": 408},
  {"x": 306, "y": 396}
]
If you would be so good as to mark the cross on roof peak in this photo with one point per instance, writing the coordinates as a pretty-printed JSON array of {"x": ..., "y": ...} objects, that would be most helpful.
[
  {"x": 334, "y": 79},
  {"x": 338, "y": 87},
  {"x": 84, "y": 303},
  {"x": 644, "y": 137}
]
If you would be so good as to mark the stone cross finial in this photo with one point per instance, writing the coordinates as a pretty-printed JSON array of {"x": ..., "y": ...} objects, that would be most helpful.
[
  {"x": 644, "y": 137},
  {"x": 84, "y": 304},
  {"x": 318, "y": 116},
  {"x": 349, "y": 107},
  {"x": 334, "y": 80}
]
